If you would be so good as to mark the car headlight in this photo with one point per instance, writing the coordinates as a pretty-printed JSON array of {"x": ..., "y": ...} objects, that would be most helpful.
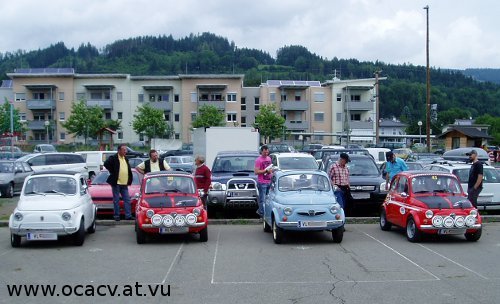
[
  {"x": 190, "y": 219},
  {"x": 150, "y": 213},
  {"x": 335, "y": 208},
  {"x": 196, "y": 211},
  {"x": 459, "y": 222},
  {"x": 429, "y": 214},
  {"x": 288, "y": 211},
  {"x": 180, "y": 221},
  {"x": 470, "y": 220},
  {"x": 18, "y": 216},
  {"x": 437, "y": 221},
  {"x": 66, "y": 216},
  {"x": 218, "y": 186},
  {"x": 382, "y": 187},
  {"x": 168, "y": 221},
  {"x": 156, "y": 220},
  {"x": 473, "y": 212},
  {"x": 448, "y": 222}
]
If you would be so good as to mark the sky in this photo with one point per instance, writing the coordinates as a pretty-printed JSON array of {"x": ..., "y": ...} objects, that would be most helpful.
[{"x": 463, "y": 33}]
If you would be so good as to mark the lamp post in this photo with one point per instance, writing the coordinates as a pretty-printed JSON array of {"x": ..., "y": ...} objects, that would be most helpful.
[
  {"x": 47, "y": 124},
  {"x": 420, "y": 131}
]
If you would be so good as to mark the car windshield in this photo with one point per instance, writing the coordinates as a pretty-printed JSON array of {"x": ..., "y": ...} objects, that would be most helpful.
[
  {"x": 435, "y": 184},
  {"x": 51, "y": 185},
  {"x": 358, "y": 166},
  {"x": 299, "y": 182},
  {"x": 8, "y": 149},
  {"x": 229, "y": 164},
  {"x": 102, "y": 176},
  {"x": 308, "y": 163},
  {"x": 6, "y": 167},
  {"x": 170, "y": 183},
  {"x": 47, "y": 148},
  {"x": 414, "y": 166},
  {"x": 490, "y": 175}
]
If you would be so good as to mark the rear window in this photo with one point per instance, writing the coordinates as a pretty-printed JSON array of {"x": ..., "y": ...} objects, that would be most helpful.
[{"x": 490, "y": 176}]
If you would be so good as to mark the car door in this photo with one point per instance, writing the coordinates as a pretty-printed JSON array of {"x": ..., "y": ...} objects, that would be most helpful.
[
  {"x": 19, "y": 176},
  {"x": 400, "y": 198},
  {"x": 268, "y": 201},
  {"x": 391, "y": 206},
  {"x": 88, "y": 205}
]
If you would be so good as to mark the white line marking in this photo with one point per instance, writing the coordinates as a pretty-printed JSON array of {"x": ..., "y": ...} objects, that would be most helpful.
[
  {"x": 215, "y": 257},
  {"x": 456, "y": 263},
  {"x": 400, "y": 254},
  {"x": 325, "y": 282},
  {"x": 4, "y": 253},
  {"x": 172, "y": 264}
]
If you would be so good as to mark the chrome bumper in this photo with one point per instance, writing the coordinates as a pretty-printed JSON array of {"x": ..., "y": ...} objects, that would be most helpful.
[
  {"x": 430, "y": 227},
  {"x": 59, "y": 229},
  {"x": 334, "y": 224},
  {"x": 200, "y": 224}
]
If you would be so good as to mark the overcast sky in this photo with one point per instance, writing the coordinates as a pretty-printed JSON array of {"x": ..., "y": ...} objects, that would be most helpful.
[{"x": 463, "y": 33}]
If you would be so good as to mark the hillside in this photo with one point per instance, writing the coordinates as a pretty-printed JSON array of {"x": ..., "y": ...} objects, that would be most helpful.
[{"x": 491, "y": 75}]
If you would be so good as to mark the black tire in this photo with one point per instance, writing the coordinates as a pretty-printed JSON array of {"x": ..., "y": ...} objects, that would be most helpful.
[
  {"x": 338, "y": 234},
  {"x": 15, "y": 240},
  {"x": 9, "y": 190},
  {"x": 267, "y": 228},
  {"x": 412, "y": 233},
  {"x": 384, "y": 224},
  {"x": 79, "y": 236},
  {"x": 92, "y": 227},
  {"x": 277, "y": 233},
  {"x": 140, "y": 235},
  {"x": 204, "y": 235},
  {"x": 474, "y": 236}
]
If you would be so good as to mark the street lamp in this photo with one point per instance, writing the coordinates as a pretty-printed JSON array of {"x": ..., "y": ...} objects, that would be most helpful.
[
  {"x": 420, "y": 131},
  {"x": 47, "y": 124}
]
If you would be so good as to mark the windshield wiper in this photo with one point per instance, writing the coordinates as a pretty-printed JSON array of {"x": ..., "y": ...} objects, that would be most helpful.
[
  {"x": 171, "y": 190},
  {"x": 35, "y": 192},
  {"x": 222, "y": 171},
  {"x": 422, "y": 191},
  {"x": 55, "y": 192},
  {"x": 244, "y": 171}
]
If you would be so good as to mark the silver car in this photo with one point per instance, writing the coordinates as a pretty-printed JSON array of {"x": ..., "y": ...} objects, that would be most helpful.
[{"x": 12, "y": 175}]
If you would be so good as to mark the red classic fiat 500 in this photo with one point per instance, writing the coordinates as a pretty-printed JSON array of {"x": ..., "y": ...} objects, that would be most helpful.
[
  {"x": 429, "y": 202},
  {"x": 169, "y": 204}
]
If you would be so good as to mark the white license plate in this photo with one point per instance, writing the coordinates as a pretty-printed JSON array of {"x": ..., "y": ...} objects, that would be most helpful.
[
  {"x": 165, "y": 230},
  {"x": 41, "y": 236},
  {"x": 302, "y": 224},
  {"x": 451, "y": 231},
  {"x": 360, "y": 195}
]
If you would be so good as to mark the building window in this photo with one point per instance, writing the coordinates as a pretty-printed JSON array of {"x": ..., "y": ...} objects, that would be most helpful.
[
  {"x": 339, "y": 117},
  {"x": 100, "y": 95},
  {"x": 62, "y": 136},
  {"x": 319, "y": 116},
  {"x": 319, "y": 97},
  {"x": 393, "y": 131},
  {"x": 167, "y": 116},
  {"x": 243, "y": 104},
  {"x": 141, "y": 136},
  {"x": 193, "y": 116},
  {"x": 119, "y": 96},
  {"x": 355, "y": 97},
  {"x": 231, "y": 97},
  {"x": 140, "y": 97},
  {"x": 120, "y": 115},
  {"x": 120, "y": 135},
  {"x": 272, "y": 96},
  {"x": 455, "y": 142},
  {"x": 80, "y": 96},
  {"x": 231, "y": 117},
  {"x": 318, "y": 137},
  {"x": 283, "y": 97},
  {"x": 20, "y": 96},
  {"x": 62, "y": 116},
  {"x": 107, "y": 115},
  {"x": 163, "y": 97},
  {"x": 176, "y": 117},
  {"x": 339, "y": 97},
  {"x": 356, "y": 117},
  {"x": 243, "y": 121},
  {"x": 22, "y": 116},
  {"x": 176, "y": 98},
  {"x": 38, "y": 95},
  {"x": 298, "y": 97},
  {"x": 194, "y": 97},
  {"x": 61, "y": 96},
  {"x": 257, "y": 103},
  {"x": 152, "y": 97},
  {"x": 177, "y": 136}
]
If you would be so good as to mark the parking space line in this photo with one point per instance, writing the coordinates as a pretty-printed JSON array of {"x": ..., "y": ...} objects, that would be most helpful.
[
  {"x": 323, "y": 282},
  {"x": 172, "y": 264},
  {"x": 215, "y": 257},
  {"x": 454, "y": 262},
  {"x": 5, "y": 252},
  {"x": 401, "y": 255}
]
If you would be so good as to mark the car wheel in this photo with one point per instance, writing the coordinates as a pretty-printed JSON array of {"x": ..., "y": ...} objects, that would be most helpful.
[
  {"x": 79, "y": 236},
  {"x": 9, "y": 190},
  {"x": 15, "y": 240},
  {"x": 384, "y": 224},
  {"x": 140, "y": 235},
  {"x": 412, "y": 233},
  {"x": 92, "y": 227},
  {"x": 204, "y": 235},
  {"x": 474, "y": 236},
  {"x": 338, "y": 234},
  {"x": 277, "y": 233},
  {"x": 267, "y": 228}
]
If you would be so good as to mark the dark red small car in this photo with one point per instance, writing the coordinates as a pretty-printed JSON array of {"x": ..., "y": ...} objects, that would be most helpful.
[
  {"x": 169, "y": 203},
  {"x": 429, "y": 202}
]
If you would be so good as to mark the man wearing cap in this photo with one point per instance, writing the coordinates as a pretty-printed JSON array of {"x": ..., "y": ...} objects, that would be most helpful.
[
  {"x": 393, "y": 166},
  {"x": 339, "y": 177},
  {"x": 475, "y": 184}
]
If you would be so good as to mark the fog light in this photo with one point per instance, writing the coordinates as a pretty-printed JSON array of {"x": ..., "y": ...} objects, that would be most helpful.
[
  {"x": 470, "y": 220},
  {"x": 168, "y": 221},
  {"x": 66, "y": 216},
  {"x": 448, "y": 222},
  {"x": 429, "y": 214},
  {"x": 437, "y": 221},
  {"x": 459, "y": 222},
  {"x": 190, "y": 219},
  {"x": 156, "y": 220},
  {"x": 150, "y": 213},
  {"x": 196, "y": 211},
  {"x": 18, "y": 216},
  {"x": 180, "y": 221}
]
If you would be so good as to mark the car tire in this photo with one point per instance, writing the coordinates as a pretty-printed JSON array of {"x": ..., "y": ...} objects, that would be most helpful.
[
  {"x": 9, "y": 190},
  {"x": 79, "y": 236},
  {"x": 15, "y": 240},
  {"x": 474, "y": 236},
  {"x": 267, "y": 228},
  {"x": 384, "y": 224},
  {"x": 277, "y": 233},
  {"x": 412, "y": 233},
  {"x": 204, "y": 235},
  {"x": 93, "y": 226},
  {"x": 140, "y": 235},
  {"x": 338, "y": 234}
]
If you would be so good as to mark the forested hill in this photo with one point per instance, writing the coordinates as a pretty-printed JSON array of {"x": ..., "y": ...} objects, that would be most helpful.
[
  {"x": 491, "y": 75},
  {"x": 402, "y": 94}
]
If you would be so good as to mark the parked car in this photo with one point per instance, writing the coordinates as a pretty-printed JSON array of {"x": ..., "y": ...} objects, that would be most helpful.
[
  {"x": 181, "y": 163},
  {"x": 273, "y": 148},
  {"x": 169, "y": 204},
  {"x": 460, "y": 155},
  {"x": 429, "y": 203},
  {"x": 12, "y": 176},
  {"x": 311, "y": 148},
  {"x": 176, "y": 153},
  {"x": 489, "y": 198},
  {"x": 135, "y": 161},
  {"x": 102, "y": 195},
  {"x": 302, "y": 201},
  {"x": 40, "y": 162},
  {"x": 378, "y": 154},
  {"x": 325, "y": 153},
  {"x": 294, "y": 161},
  {"x": 424, "y": 158},
  {"x": 414, "y": 166},
  {"x": 11, "y": 152},
  {"x": 132, "y": 153},
  {"x": 53, "y": 204},
  {"x": 95, "y": 160},
  {"x": 403, "y": 153},
  {"x": 43, "y": 148}
]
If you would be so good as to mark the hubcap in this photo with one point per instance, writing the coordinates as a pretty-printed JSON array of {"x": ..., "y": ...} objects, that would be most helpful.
[
  {"x": 274, "y": 230},
  {"x": 411, "y": 229}
]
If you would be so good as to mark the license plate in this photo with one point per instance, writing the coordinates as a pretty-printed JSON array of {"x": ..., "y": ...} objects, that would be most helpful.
[
  {"x": 360, "y": 195},
  {"x": 451, "y": 231},
  {"x": 173, "y": 230},
  {"x": 41, "y": 236},
  {"x": 302, "y": 224}
]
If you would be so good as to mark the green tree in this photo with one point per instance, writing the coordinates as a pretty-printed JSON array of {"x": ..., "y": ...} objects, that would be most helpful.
[
  {"x": 494, "y": 129},
  {"x": 149, "y": 121},
  {"x": 5, "y": 119},
  {"x": 209, "y": 116},
  {"x": 84, "y": 121},
  {"x": 270, "y": 123}
]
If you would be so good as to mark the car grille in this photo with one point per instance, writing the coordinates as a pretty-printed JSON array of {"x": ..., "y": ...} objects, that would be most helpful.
[
  {"x": 244, "y": 185},
  {"x": 311, "y": 213},
  {"x": 362, "y": 188}
]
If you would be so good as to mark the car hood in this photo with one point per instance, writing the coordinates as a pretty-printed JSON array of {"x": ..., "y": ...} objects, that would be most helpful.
[
  {"x": 445, "y": 202},
  {"x": 305, "y": 197},
  {"x": 224, "y": 177},
  {"x": 98, "y": 191},
  {"x": 48, "y": 202},
  {"x": 375, "y": 180}
]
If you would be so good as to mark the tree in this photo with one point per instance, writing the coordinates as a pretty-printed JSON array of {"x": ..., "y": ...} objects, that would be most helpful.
[
  {"x": 5, "y": 119},
  {"x": 209, "y": 116},
  {"x": 84, "y": 121},
  {"x": 494, "y": 129},
  {"x": 149, "y": 121},
  {"x": 269, "y": 122}
]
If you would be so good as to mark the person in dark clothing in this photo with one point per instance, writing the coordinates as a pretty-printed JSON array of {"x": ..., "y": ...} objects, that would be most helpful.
[
  {"x": 120, "y": 177},
  {"x": 202, "y": 177},
  {"x": 153, "y": 164},
  {"x": 475, "y": 184}
]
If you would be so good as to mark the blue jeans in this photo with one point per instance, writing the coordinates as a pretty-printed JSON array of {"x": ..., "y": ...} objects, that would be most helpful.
[
  {"x": 263, "y": 190},
  {"x": 340, "y": 197},
  {"x": 121, "y": 190}
]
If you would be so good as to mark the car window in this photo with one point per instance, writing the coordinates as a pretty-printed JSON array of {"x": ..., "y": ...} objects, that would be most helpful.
[
  {"x": 37, "y": 161},
  {"x": 174, "y": 184},
  {"x": 234, "y": 164},
  {"x": 274, "y": 160},
  {"x": 434, "y": 184},
  {"x": 51, "y": 185},
  {"x": 55, "y": 159},
  {"x": 362, "y": 167},
  {"x": 402, "y": 185},
  {"x": 6, "y": 167},
  {"x": 299, "y": 182},
  {"x": 490, "y": 176},
  {"x": 18, "y": 167},
  {"x": 394, "y": 184},
  {"x": 27, "y": 167},
  {"x": 74, "y": 159},
  {"x": 297, "y": 163}
]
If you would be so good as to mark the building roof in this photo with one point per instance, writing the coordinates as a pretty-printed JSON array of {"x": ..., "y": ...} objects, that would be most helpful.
[
  {"x": 6, "y": 84},
  {"x": 468, "y": 131},
  {"x": 392, "y": 123}
]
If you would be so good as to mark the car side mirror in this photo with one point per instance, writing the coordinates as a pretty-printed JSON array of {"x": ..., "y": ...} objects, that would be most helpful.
[
  {"x": 136, "y": 196},
  {"x": 404, "y": 194}
]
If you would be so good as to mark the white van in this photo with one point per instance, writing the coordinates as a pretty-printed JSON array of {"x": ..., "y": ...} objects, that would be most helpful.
[
  {"x": 378, "y": 154},
  {"x": 95, "y": 160}
]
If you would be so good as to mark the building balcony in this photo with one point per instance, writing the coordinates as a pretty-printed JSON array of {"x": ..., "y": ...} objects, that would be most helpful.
[
  {"x": 361, "y": 125},
  {"x": 106, "y": 104},
  {"x": 36, "y": 125},
  {"x": 41, "y": 104},
  {"x": 360, "y": 106},
  {"x": 219, "y": 104},
  {"x": 296, "y": 125},
  {"x": 294, "y": 105},
  {"x": 162, "y": 105}
]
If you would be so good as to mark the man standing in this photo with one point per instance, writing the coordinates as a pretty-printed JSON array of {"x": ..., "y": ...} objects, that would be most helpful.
[
  {"x": 153, "y": 164},
  {"x": 202, "y": 177},
  {"x": 120, "y": 177},
  {"x": 393, "y": 166},
  {"x": 339, "y": 177},
  {"x": 263, "y": 170},
  {"x": 475, "y": 184}
]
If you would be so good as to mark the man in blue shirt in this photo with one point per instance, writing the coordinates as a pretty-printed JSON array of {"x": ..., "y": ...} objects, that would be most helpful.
[{"x": 393, "y": 166}]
